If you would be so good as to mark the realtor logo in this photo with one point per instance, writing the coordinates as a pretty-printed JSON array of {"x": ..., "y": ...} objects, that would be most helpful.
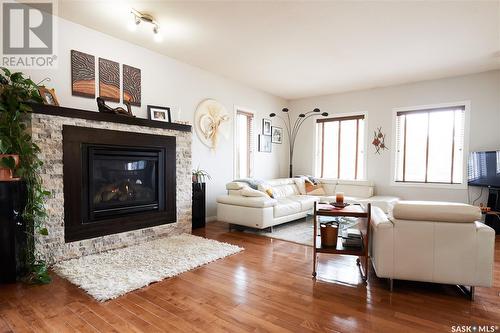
[{"x": 28, "y": 34}]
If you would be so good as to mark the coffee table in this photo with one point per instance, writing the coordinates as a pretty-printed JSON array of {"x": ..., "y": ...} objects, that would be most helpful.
[{"x": 364, "y": 216}]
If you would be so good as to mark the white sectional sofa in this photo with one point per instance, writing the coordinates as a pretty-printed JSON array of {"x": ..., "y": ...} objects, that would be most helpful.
[
  {"x": 430, "y": 241},
  {"x": 254, "y": 208}
]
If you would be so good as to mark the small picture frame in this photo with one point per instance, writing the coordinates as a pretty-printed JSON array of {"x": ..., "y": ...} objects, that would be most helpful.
[
  {"x": 265, "y": 143},
  {"x": 266, "y": 127},
  {"x": 159, "y": 113},
  {"x": 276, "y": 134},
  {"x": 48, "y": 96}
]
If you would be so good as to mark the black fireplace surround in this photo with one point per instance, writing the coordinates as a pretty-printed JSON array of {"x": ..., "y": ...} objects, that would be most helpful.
[{"x": 116, "y": 181}]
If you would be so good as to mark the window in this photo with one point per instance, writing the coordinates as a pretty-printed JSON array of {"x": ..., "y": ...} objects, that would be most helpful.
[
  {"x": 244, "y": 144},
  {"x": 429, "y": 145},
  {"x": 340, "y": 147}
]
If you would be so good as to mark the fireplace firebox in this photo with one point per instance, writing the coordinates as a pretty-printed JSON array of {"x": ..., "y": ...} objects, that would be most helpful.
[
  {"x": 122, "y": 180},
  {"x": 116, "y": 181}
]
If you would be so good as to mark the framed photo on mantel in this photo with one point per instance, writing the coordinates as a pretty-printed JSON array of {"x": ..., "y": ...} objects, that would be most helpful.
[{"x": 159, "y": 113}]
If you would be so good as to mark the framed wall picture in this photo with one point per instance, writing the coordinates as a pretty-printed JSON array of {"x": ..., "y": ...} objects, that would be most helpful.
[
  {"x": 276, "y": 134},
  {"x": 82, "y": 74},
  {"x": 159, "y": 113},
  {"x": 49, "y": 96},
  {"x": 109, "y": 80},
  {"x": 264, "y": 143},
  {"x": 266, "y": 127},
  {"x": 131, "y": 85}
]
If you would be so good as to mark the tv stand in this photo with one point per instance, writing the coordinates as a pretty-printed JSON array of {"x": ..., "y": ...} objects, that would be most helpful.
[{"x": 492, "y": 218}]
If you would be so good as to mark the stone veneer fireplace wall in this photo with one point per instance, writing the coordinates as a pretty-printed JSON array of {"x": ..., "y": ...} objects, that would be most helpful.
[{"x": 47, "y": 134}]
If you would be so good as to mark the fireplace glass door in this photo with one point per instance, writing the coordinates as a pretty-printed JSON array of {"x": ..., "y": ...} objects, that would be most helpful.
[{"x": 123, "y": 181}]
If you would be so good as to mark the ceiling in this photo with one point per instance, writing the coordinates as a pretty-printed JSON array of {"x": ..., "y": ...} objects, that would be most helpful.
[{"x": 301, "y": 49}]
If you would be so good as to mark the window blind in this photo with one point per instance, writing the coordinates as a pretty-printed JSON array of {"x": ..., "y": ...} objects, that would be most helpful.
[
  {"x": 340, "y": 150},
  {"x": 245, "y": 144},
  {"x": 429, "y": 145}
]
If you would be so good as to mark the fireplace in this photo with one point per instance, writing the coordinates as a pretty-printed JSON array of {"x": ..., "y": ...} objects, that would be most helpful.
[
  {"x": 122, "y": 180},
  {"x": 116, "y": 181}
]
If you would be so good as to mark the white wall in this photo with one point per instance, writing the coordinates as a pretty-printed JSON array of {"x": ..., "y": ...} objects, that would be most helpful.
[
  {"x": 482, "y": 90},
  {"x": 168, "y": 82}
]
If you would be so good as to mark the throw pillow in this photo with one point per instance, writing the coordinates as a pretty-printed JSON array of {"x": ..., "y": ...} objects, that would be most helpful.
[
  {"x": 314, "y": 189},
  {"x": 265, "y": 187},
  {"x": 301, "y": 185}
]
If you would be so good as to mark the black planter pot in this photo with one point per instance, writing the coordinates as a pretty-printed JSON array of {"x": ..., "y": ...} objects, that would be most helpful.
[{"x": 199, "y": 205}]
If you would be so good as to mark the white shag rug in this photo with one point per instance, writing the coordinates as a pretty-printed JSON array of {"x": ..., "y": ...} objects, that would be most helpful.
[{"x": 111, "y": 274}]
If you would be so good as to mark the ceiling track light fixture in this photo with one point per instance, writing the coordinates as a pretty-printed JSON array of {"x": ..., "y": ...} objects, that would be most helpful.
[{"x": 147, "y": 18}]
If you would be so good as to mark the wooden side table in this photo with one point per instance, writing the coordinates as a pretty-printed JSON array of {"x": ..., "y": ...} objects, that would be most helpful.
[{"x": 364, "y": 216}]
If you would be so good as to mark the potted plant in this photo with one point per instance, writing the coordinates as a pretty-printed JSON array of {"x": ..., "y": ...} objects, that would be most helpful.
[
  {"x": 8, "y": 163},
  {"x": 199, "y": 204},
  {"x": 20, "y": 156},
  {"x": 200, "y": 176}
]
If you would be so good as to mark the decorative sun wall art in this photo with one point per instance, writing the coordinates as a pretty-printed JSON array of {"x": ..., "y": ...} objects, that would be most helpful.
[{"x": 211, "y": 120}]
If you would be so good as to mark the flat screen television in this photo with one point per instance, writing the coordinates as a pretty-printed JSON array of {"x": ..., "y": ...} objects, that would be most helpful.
[{"x": 484, "y": 168}]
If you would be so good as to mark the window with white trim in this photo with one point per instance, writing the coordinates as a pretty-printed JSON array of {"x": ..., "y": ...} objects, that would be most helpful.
[
  {"x": 430, "y": 145},
  {"x": 340, "y": 149},
  {"x": 244, "y": 144}
]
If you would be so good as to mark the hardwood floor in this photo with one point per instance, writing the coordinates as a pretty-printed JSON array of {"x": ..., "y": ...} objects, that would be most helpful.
[{"x": 267, "y": 287}]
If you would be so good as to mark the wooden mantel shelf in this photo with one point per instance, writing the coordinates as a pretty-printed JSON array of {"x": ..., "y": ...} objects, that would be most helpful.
[{"x": 105, "y": 117}]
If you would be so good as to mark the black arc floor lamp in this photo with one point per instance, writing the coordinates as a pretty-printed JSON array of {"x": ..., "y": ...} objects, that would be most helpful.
[{"x": 293, "y": 128}]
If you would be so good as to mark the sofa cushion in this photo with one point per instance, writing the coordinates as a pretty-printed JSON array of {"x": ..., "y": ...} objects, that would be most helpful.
[
  {"x": 360, "y": 191},
  {"x": 436, "y": 211},
  {"x": 280, "y": 182},
  {"x": 368, "y": 183},
  {"x": 250, "y": 192},
  {"x": 286, "y": 207},
  {"x": 314, "y": 189},
  {"x": 306, "y": 201},
  {"x": 332, "y": 198},
  {"x": 300, "y": 182},
  {"x": 282, "y": 187},
  {"x": 386, "y": 203},
  {"x": 236, "y": 186},
  {"x": 238, "y": 200},
  {"x": 329, "y": 185}
]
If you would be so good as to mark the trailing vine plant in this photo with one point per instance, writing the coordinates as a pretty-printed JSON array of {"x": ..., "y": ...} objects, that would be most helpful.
[{"x": 16, "y": 94}]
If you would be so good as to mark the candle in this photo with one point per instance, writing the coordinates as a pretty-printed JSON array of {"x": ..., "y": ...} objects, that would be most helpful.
[{"x": 339, "y": 196}]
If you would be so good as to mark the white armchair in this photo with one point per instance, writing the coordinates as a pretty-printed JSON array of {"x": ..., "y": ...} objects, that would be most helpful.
[{"x": 437, "y": 242}]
